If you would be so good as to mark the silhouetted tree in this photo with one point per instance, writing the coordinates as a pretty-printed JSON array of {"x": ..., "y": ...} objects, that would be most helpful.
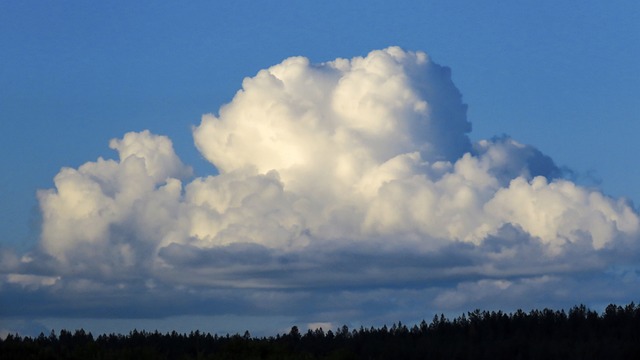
[{"x": 540, "y": 334}]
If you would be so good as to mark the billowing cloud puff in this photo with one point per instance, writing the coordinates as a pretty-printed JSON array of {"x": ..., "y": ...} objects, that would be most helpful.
[
  {"x": 91, "y": 205},
  {"x": 377, "y": 146},
  {"x": 350, "y": 173}
]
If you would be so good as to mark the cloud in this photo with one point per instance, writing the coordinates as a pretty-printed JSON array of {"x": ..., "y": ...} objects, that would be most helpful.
[
  {"x": 337, "y": 182},
  {"x": 107, "y": 209}
]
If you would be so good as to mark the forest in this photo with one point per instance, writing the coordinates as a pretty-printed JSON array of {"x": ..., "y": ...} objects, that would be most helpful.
[{"x": 579, "y": 333}]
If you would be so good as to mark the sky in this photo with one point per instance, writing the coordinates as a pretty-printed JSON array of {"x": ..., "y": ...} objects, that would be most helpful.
[{"x": 256, "y": 165}]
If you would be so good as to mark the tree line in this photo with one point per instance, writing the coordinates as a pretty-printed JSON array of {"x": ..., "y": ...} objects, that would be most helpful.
[{"x": 580, "y": 333}]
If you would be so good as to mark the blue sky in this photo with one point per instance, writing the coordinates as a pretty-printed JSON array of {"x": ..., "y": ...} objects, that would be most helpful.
[{"x": 558, "y": 77}]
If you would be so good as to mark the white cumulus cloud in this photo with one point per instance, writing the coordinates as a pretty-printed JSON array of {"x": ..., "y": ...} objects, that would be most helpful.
[{"x": 353, "y": 172}]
